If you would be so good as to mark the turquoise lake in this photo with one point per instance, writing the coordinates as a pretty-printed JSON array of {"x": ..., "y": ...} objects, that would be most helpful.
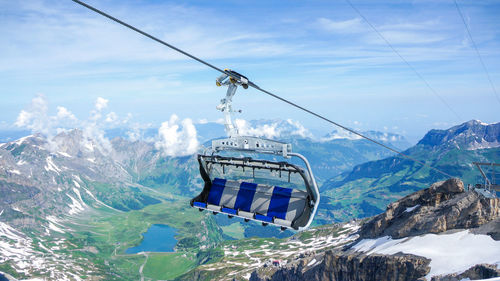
[{"x": 158, "y": 238}]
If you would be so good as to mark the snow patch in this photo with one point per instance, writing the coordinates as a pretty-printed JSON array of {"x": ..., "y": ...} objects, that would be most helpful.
[
  {"x": 55, "y": 228},
  {"x": 76, "y": 183},
  {"x": 449, "y": 253},
  {"x": 313, "y": 261},
  {"x": 51, "y": 166},
  {"x": 77, "y": 192},
  {"x": 15, "y": 172},
  {"x": 410, "y": 209},
  {"x": 64, "y": 154},
  {"x": 75, "y": 206},
  {"x": 21, "y": 140},
  {"x": 20, "y": 162}
]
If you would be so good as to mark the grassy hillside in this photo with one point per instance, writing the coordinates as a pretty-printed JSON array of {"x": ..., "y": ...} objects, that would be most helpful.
[{"x": 369, "y": 187}]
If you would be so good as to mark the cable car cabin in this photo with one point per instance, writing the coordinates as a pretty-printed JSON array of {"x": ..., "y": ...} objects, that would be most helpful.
[{"x": 271, "y": 192}]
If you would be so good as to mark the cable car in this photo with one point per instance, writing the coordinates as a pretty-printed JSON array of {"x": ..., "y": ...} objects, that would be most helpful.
[{"x": 254, "y": 178}]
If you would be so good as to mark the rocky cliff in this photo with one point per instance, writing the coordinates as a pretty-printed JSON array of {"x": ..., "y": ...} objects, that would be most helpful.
[{"x": 443, "y": 208}]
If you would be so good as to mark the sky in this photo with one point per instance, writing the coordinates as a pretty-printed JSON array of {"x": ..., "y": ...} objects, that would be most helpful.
[{"x": 320, "y": 54}]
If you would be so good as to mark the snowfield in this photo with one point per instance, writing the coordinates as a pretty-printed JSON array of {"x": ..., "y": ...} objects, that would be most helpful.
[
  {"x": 253, "y": 259},
  {"x": 43, "y": 257},
  {"x": 449, "y": 253}
]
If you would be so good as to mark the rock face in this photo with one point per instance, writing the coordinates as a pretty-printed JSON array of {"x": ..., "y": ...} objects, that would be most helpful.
[
  {"x": 477, "y": 272},
  {"x": 441, "y": 207},
  {"x": 340, "y": 266}
]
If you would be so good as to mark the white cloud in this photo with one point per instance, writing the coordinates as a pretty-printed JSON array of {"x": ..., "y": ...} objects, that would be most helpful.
[
  {"x": 300, "y": 130},
  {"x": 37, "y": 119},
  {"x": 272, "y": 130},
  {"x": 177, "y": 138},
  {"x": 348, "y": 26},
  {"x": 111, "y": 117},
  {"x": 93, "y": 131},
  {"x": 340, "y": 134},
  {"x": 269, "y": 131},
  {"x": 101, "y": 103},
  {"x": 63, "y": 113}
]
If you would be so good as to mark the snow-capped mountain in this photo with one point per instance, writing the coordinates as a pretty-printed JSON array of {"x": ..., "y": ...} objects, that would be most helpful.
[
  {"x": 470, "y": 136},
  {"x": 369, "y": 187}
]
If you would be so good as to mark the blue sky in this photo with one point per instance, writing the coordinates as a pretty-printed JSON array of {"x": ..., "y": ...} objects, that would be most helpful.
[{"x": 320, "y": 54}]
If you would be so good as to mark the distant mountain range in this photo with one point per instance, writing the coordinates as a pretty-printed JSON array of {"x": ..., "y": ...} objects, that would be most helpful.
[
  {"x": 369, "y": 187},
  {"x": 74, "y": 204}
]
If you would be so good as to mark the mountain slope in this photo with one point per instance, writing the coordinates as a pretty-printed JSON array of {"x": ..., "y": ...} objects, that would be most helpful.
[
  {"x": 369, "y": 187},
  {"x": 438, "y": 233}
]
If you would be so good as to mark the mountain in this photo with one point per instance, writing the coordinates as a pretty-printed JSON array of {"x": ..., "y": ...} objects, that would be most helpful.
[
  {"x": 439, "y": 233},
  {"x": 369, "y": 187},
  {"x": 471, "y": 135},
  {"x": 70, "y": 206}
]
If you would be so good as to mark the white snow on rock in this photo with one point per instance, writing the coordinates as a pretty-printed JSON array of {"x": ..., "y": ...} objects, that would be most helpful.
[
  {"x": 76, "y": 183},
  {"x": 29, "y": 258},
  {"x": 51, "y": 166},
  {"x": 54, "y": 224},
  {"x": 89, "y": 146},
  {"x": 449, "y": 253},
  {"x": 15, "y": 172},
  {"x": 75, "y": 206},
  {"x": 21, "y": 162},
  {"x": 77, "y": 192},
  {"x": 64, "y": 154},
  {"x": 55, "y": 228},
  {"x": 21, "y": 140},
  {"x": 410, "y": 209}
]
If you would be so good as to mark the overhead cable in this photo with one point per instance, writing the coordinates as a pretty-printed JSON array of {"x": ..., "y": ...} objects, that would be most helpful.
[
  {"x": 477, "y": 52},
  {"x": 404, "y": 60},
  {"x": 253, "y": 85}
]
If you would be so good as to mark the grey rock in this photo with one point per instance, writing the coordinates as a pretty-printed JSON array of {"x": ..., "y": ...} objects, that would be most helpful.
[
  {"x": 441, "y": 207},
  {"x": 342, "y": 266},
  {"x": 477, "y": 272}
]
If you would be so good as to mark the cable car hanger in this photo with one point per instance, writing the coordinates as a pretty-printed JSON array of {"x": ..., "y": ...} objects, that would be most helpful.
[{"x": 243, "y": 194}]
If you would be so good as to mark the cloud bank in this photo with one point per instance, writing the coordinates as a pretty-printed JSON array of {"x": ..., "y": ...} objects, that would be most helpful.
[
  {"x": 177, "y": 138},
  {"x": 274, "y": 130}
]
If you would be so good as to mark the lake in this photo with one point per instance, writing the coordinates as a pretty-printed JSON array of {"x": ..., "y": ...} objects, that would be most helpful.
[{"x": 158, "y": 238}]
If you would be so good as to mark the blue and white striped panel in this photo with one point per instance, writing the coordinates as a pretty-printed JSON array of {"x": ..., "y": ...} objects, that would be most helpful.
[
  {"x": 296, "y": 204},
  {"x": 271, "y": 201},
  {"x": 230, "y": 194},
  {"x": 261, "y": 199}
]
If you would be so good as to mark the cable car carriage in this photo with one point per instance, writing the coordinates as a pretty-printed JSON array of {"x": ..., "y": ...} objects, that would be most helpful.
[{"x": 254, "y": 178}]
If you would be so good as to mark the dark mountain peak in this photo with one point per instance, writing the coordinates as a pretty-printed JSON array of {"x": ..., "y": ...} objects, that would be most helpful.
[{"x": 470, "y": 135}]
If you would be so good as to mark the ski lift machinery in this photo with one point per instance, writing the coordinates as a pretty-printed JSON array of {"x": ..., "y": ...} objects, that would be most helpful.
[{"x": 243, "y": 179}]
